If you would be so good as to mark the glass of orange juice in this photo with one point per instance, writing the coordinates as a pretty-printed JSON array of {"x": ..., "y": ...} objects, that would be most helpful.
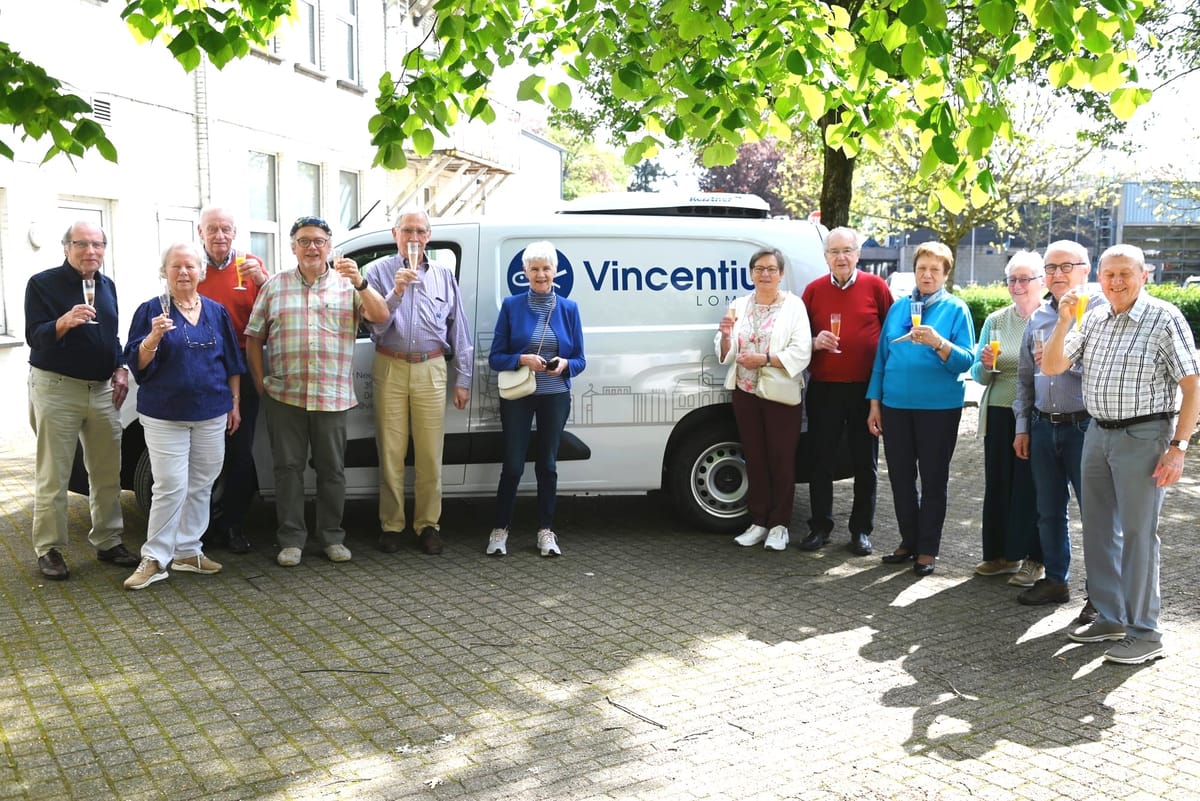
[
  {"x": 238, "y": 260},
  {"x": 1081, "y": 304},
  {"x": 995, "y": 345},
  {"x": 835, "y": 328},
  {"x": 915, "y": 308}
]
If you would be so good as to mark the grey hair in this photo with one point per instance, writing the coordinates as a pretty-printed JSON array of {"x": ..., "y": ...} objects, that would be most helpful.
[
  {"x": 1131, "y": 252},
  {"x": 540, "y": 251},
  {"x": 66, "y": 237},
  {"x": 406, "y": 212},
  {"x": 1026, "y": 258},
  {"x": 189, "y": 248},
  {"x": 1081, "y": 253},
  {"x": 843, "y": 229}
]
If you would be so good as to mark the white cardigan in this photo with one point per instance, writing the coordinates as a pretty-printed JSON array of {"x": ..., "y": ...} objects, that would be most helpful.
[{"x": 791, "y": 337}]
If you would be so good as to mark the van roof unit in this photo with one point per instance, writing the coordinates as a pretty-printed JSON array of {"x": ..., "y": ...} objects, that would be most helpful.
[{"x": 671, "y": 204}]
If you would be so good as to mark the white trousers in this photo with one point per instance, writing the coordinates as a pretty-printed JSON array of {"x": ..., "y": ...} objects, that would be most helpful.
[{"x": 186, "y": 458}]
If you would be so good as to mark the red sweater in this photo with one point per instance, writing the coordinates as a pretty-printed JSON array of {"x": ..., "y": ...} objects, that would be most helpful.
[
  {"x": 863, "y": 305},
  {"x": 219, "y": 286}
]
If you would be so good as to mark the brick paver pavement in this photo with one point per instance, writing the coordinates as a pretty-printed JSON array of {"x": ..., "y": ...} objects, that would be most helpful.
[{"x": 650, "y": 661}]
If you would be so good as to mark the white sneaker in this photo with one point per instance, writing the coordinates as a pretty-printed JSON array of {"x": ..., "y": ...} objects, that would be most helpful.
[
  {"x": 777, "y": 539},
  {"x": 751, "y": 536},
  {"x": 548, "y": 543},
  {"x": 288, "y": 557},
  {"x": 498, "y": 542},
  {"x": 337, "y": 553}
]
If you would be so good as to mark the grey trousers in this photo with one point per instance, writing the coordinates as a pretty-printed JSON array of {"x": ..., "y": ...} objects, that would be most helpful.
[
  {"x": 292, "y": 431},
  {"x": 1120, "y": 523}
]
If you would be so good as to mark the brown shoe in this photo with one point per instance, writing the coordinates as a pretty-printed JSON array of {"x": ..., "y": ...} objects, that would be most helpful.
[
  {"x": 118, "y": 555},
  {"x": 389, "y": 541},
  {"x": 1045, "y": 591},
  {"x": 431, "y": 543},
  {"x": 53, "y": 566}
]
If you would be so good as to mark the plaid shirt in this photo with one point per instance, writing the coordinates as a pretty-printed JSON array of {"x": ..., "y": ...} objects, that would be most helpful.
[
  {"x": 1133, "y": 362},
  {"x": 310, "y": 333}
]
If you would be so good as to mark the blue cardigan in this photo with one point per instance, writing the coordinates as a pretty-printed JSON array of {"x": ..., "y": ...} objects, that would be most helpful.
[
  {"x": 188, "y": 378},
  {"x": 514, "y": 330},
  {"x": 909, "y": 375}
]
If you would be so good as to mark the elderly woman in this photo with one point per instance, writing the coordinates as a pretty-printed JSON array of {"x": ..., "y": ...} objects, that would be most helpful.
[
  {"x": 185, "y": 356},
  {"x": 916, "y": 394},
  {"x": 766, "y": 339},
  {"x": 541, "y": 331},
  {"x": 1010, "y": 535}
]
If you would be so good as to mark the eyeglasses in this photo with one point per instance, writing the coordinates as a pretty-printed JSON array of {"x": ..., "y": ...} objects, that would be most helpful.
[
  {"x": 305, "y": 242},
  {"x": 764, "y": 270},
  {"x": 82, "y": 244},
  {"x": 1023, "y": 281},
  {"x": 841, "y": 252},
  {"x": 1065, "y": 267},
  {"x": 212, "y": 338},
  {"x": 414, "y": 231}
]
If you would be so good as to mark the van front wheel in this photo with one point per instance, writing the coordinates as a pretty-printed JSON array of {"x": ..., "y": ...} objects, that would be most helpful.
[{"x": 707, "y": 479}]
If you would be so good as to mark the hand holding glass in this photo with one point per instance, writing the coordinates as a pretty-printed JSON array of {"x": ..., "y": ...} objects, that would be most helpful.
[
  {"x": 835, "y": 328},
  {"x": 89, "y": 296},
  {"x": 995, "y": 346}
]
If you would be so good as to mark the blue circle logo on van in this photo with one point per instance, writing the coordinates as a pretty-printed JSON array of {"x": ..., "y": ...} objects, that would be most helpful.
[{"x": 564, "y": 279}]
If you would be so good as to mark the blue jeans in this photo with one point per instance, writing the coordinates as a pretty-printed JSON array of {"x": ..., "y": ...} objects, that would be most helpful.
[
  {"x": 516, "y": 417},
  {"x": 1055, "y": 454}
]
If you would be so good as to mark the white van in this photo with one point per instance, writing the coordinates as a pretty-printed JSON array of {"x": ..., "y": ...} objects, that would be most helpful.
[{"x": 652, "y": 279}]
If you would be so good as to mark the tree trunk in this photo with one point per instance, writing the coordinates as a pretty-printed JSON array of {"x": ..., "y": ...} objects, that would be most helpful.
[{"x": 837, "y": 183}]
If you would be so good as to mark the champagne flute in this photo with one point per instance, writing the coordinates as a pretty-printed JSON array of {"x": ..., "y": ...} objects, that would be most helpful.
[
  {"x": 164, "y": 299},
  {"x": 835, "y": 328},
  {"x": 995, "y": 346},
  {"x": 916, "y": 308},
  {"x": 238, "y": 260},
  {"x": 414, "y": 253},
  {"x": 1081, "y": 303},
  {"x": 89, "y": 296}
]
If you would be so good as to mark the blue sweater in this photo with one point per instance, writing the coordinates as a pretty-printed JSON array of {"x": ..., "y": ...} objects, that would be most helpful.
[
  {"x": 515, "y": 328},
  {"x": 188, "y": 378},
  {"x": 909, "y": 375}
]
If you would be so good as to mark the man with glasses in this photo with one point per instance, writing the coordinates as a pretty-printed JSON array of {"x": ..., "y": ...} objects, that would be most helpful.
[
  {"x": 425, "y": 327},
  {"x": 308, "y": 319},
  {"x": 232, "y": 279},
  {"x": 1140, "y": 383},
  {"x": 77, "y": 383},
  {"x": 837, "y": 389},
  {"x": 1051, "y": 420}
]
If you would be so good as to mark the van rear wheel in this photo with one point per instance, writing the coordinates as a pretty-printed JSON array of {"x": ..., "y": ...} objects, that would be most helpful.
[{"x": 707, "y": 479}]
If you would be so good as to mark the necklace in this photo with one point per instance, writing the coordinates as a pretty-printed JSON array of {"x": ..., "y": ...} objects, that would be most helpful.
[{"x": 187, "y": 307}]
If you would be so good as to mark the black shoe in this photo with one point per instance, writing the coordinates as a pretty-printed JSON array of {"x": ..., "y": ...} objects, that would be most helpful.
[
  {"x": 236, "y": 539},
  {"x": 118, "y": 555},
  {"x": 213, "y": 538},
  {"x": 923, "y": 569},
  {"x": 813, "y": 541},
  {"x": 1088, "y": 614},
  {"x": 1045, "y": 591},
  {"x": 860, "y": 545},
  {"x": 431, "y": 543},
  {"x": 53, "y": 566},
  {"x": 389, "y": 541},
  {"x": 897, "y": 558}
]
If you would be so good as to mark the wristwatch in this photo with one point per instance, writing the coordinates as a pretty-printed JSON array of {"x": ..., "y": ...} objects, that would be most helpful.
[
  {"x": 1182, "y": 444},
  {"x": 362, "y": 286}
]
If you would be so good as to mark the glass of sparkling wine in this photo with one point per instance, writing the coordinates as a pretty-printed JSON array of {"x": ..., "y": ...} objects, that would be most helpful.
[
  {"x": 1081, "y": 303},
  {"x": 916, "y": 307},
  {"x": 238, "y": 260},
  {"x": 89, "y": 295},
  {"x": 164, "y": 300},
  {"x": 414, "y": 253},
  {"x": 835, "y": 328},
  {"x": 995, "y": 345}
]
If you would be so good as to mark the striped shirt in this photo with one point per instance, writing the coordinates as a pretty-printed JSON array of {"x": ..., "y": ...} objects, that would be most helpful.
[
  {"x": 310, "y": 333},
  {"x": 1133, "y": 361},
  {"x": 544, "y": 342}
]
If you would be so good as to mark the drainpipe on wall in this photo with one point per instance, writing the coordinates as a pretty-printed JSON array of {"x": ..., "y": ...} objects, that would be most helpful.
[{"x": 203, "y": 123}]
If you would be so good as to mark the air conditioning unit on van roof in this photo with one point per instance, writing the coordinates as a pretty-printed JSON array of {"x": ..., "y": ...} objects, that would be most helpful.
[{"x": 671, "y": 204}]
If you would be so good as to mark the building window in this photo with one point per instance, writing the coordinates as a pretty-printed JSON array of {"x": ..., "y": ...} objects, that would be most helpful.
[
  {"x": 308, "y": 190},
  {"x": 344, "y": 48},
  {"x": 347, "y": 198},
  {"x": 264, "y": 215},
  {"x": 308, "y": 29}
]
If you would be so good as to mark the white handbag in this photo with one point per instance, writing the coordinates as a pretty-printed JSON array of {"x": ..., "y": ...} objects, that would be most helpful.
[
  {"x": 774, "y": 384},
  {"x": 521, "y": 383}
]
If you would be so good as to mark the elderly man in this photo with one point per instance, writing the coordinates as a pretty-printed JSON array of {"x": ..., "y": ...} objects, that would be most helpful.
[
  {"x": 233, "y": 279},
  {"x": 1139, "y": 359},
  {"x": 308, "y": 319},
  {"x": 837, "y": 390},
  {"x": 1051, "y": 420},
  {"x": 77, "y": 384},
  {"x": 424, "y": 327}
]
